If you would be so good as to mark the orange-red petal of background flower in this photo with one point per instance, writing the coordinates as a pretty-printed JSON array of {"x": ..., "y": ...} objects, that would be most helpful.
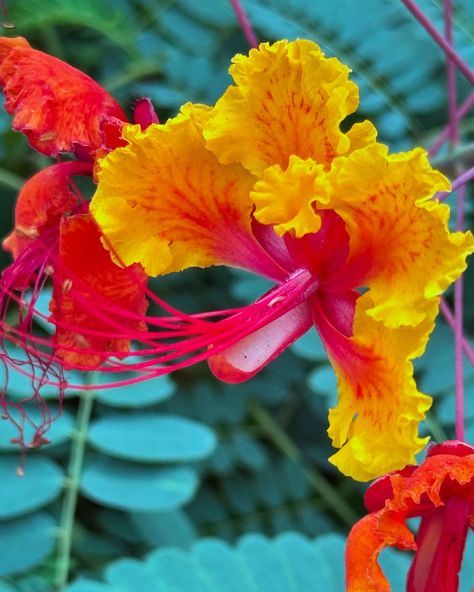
[
  {"x": 87, "y": 286},
  {"x": 43, "y": 199},
  {"x": 54, "y": 104}
]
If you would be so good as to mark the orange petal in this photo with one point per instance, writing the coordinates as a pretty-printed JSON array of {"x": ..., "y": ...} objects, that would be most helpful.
[
  {"x": 165, "y": 201},
  {"x": 288, "y": 99},
  {"x": 54, "y": 104},
  {"x": 365, "y": 542},
  {"x": 89, "y": 294},
  {"x": 418, "y": 491},
  {"x": 42, "y": 201}
]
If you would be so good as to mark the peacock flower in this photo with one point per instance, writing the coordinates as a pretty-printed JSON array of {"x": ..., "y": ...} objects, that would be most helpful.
[
  {"x": 267, "y": 181},
  {"x": 441, "y": 492},
  {"x": 61, "y": 110}
]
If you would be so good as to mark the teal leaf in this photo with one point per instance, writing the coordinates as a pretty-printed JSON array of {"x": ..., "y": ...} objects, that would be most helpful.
[
  {"x": 86, "y": 585},
  {"x": 59, "y": 432},
  {"x": 137, "y": 487},
  {"x": 151, "y": 437},
  {"x": 4, "y": 587},
  {"x": 310, "y": 347},
  {"x": 148, "y": 392},
  {"x": 128, "y": 575},
  {"x": 41, "y": 484},
  {"x": 163, "y": 529},
  {"x": 26, "y": 542},
  {"x": 395, "y": 565}
]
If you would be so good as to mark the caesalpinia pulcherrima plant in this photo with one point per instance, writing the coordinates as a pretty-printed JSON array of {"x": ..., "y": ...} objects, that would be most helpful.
[{"x": 265, "y": 181}]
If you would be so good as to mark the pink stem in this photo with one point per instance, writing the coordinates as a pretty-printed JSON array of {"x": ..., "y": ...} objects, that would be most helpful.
[
  {"x": 444, "y": 135},
  {"x": 448, "y": 315},
  {"x": 456, "y": 184},
  {"x": 440, "y": 40},
  {"x": 244, "y": 23},
  {"x": 451, "y": 76},
  {"x": 453, "y": 130}
]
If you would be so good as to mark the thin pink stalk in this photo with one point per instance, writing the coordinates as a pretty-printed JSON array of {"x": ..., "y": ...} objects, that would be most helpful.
[
  {"x": 244, "y": 23},
  {"x": 458, "y": 288},
  {"x": 444, "y": 135},
  {"x": 449, "y": 317},
  {"x": 459, "y": 182},
  {"x": 440, "y": 40},
  {"x": 451, "y": 75}
]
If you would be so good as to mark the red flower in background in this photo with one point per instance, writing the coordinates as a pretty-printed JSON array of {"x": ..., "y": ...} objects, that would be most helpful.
[
  {"x": 62, "y": 110},
  {"x": 441, "y": 492}
]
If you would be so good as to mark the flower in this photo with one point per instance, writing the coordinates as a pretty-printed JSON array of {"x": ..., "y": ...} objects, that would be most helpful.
[
  {"x": 267, "y": 181},
  {"x": 61, "y": 110},
  {"x": 441, "y": 492}
]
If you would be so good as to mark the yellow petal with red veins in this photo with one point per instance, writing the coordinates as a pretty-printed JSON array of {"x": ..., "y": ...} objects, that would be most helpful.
[
  {"x": 288, "y": 99},
  {"x": 398, "y": 230},
  {"x": 375, "y": 423},
  {"x": 54, "y": 104},
  {"x": 287, "y": 199},
  {"x": 165, "y": 201}
]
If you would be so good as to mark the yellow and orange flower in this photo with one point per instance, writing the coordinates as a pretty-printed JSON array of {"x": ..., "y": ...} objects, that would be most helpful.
[
  {"x": 267, "y": 181},
  {"x": 441, "y": 492}
]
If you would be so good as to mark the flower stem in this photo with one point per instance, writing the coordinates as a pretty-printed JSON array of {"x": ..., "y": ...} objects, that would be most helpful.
[
  {"x": 71, "y": 485},
  {"x": 281, "y": 440},
  {"x": 244, "y": 23}
]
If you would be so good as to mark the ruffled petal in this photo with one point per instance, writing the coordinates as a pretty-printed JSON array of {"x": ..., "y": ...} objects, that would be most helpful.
[
  {"x": 287, "y": 199},
  {"x": 366, "y": 540},
  {"x": 96, "y": 305},
  {"x": 57, "y": 106},
  {"x": 42, "y": 201},
  {"x": 399, "y": 237},
  {"x": 375, "y": 423},
  {"x": 441, "y": 490},
  {"x": 165, "y": 201},
  {"x": 288, "y": 99}
]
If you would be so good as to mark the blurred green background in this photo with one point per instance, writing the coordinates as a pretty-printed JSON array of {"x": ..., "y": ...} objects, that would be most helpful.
[{"x": 187, "y": 484}]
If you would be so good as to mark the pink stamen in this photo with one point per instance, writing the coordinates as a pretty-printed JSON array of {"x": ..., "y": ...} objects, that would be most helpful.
[
  {"x": 440, "y": 40},
  {"x": 244, "y": 23},
  {"x": 459, "y": 182},
  {"x": 443, "y": 136},
  {"x": 448, "y": 315}
]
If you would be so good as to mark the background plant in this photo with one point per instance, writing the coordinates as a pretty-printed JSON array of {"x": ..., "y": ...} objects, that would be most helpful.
[{"x": 185, "y": 483}]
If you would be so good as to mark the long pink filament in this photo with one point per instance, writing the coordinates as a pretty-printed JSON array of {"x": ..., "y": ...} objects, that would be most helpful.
[
  {"x": 458, "y": 288},
  {"x": 244, "y": 23}
]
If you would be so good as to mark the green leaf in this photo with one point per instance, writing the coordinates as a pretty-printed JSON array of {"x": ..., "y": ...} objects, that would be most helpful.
[
  {"x": 41, "y": 484},
  {"x": 26, "y": 542},
  {"x": 137, "y": 487},
  {"x": 151, "y": 437}
]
